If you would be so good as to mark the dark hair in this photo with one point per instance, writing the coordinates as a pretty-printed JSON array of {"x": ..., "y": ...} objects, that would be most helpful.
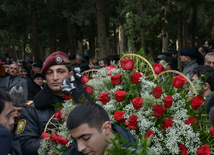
[
  {"x": 208, "y": 71},
  {"x": 8, "y": 62},
  {"x": 211, "y": 42},
  {"x": 172, "y": 61},
  {"x": 205, "y": 49},
  {"x": 106, "y": 61},
  {"x": 4, "y": 96},
  {"x": 87, "y": 113}
]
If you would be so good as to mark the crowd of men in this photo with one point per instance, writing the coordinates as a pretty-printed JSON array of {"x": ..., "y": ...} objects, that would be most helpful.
[{"x": 29, "y": 90}]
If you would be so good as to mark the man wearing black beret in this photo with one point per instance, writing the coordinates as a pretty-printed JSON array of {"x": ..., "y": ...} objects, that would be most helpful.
[
  {"x": 35, "y": 116},
  {"x": 36, "y": 86},
  {"x": 188, "y": 57}
]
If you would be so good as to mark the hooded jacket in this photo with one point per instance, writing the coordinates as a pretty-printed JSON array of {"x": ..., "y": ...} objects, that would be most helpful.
[
  {"x": 188, "y": 67},
  {"x": 33, "y": 120},
  {"x": 117, "y": 129}
]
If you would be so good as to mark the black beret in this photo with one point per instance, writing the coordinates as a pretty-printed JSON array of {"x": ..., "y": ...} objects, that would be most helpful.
[
  {"x": 38, "y": 75},
  {"x": 188, "y": 51},
  {"x": 174, "y": 52},
  {"x": 37, "y": 65},
  {"x": 31, "y": 61},
  {"x": 72, "y": 56}
]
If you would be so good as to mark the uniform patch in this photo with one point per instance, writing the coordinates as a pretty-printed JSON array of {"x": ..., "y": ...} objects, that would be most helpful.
[
  {"x": 58, "y": 59},
  {"x": 21, "y": 126},
  {"x": 29, "y": 102}
]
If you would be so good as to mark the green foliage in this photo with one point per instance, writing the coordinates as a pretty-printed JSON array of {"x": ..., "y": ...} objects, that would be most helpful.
[{"x": 142, "y": 147}]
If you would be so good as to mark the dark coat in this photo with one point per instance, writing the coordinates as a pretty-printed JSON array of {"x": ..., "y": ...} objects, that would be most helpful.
[
  {"x": 16, "y": 148},
  {"x": 125, "y": 133},
  {"x": 5, "y": 140},
  {"x": 17, "y": 82},
  {"x": 33, "y": 89},
  {"x": 35, "y": 116}
]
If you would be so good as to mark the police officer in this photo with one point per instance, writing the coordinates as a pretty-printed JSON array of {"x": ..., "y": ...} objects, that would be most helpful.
[{"x": 35, "y": 116}]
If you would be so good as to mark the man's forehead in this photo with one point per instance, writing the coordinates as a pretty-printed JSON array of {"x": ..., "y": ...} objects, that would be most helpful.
[
  {"x": 82, "y": 130},
  {"x": 210, "y": 58},
  {"x": 57, "y": 67},
  {"x": 14, "y": 66}
]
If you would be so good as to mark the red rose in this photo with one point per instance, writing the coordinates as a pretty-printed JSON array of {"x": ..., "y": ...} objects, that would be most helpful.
[
  {"x": 110, "y": 68},
  {"x": 104, "y": 98},
  {"x": 137, "y": 102},
  {"x": 70, "y": 145},
  {"x": 44, "y": 135},
  {"x": 167, "y": 123},
  {"x": 178, "y": 81},
  {"x": 127, "y": 64},
  {"x": 54, "y": 137},
  {"x": 196, "y": 102},
  {"x": 168, "y": 101},
  {"x": 190, "y": 119},
  {"x": 132, "y": 122},
  {"x": 158, "y": 110},
  {"x": 119, "y": 95},
  {"x": 67, "y": 97},
  {"x": 119, "y": 116},
  {"x": 62, "y": 140},
  {"x": 135, "y": 77},
  {"x": 158, "y": 68},
  {"x": 84, "y": 79},
  {"x": 58, "y": 115},
  {"x": 204, "y": 150},
  {"x": 149, "y": 133},
  {"x": 116, "y": 79},
  {"x": 183, "y": 149},
  {"x": 212, "y": 131},
  {"x": 157, "y": 92},
  {"x": 89, "y": 89}
]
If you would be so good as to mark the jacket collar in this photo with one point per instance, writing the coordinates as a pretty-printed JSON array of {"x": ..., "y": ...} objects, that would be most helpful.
[
  {"x": 185, "y": 64},
  {"x": 45, "y": 98}
]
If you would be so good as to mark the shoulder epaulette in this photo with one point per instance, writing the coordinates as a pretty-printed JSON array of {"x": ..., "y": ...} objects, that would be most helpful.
[{"x": 29, "y": 103}]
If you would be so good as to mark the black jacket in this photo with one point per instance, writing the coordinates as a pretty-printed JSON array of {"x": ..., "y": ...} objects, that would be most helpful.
[
  {"x": 33, "y": 120},
  {"x": 33, "y": 89},
  {"x": 123, "y": 132}
]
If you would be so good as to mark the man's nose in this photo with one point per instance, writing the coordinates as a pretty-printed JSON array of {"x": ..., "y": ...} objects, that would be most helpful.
[
  {"x": 55, "y": 76},
  {"x": 81, "y": 146}
]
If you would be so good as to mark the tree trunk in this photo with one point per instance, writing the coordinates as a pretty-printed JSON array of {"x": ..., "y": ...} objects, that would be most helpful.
[
  {"x": 121, "y": 40},
  {"x": 180, "y": 38},
  {"x": 52, "y": 40},
  {"x": 101, "y": 28},
  {"x": 165, "y": 39},
  {"x": 185, "y": 34},
  {"x": 107, "y": 45},
  {"x": 79, "y": 47},
  {"x": 115, "y": 40},
  {"x": 71, "y": 36},
  {"x": 14, "y": 53},
  {"x": 194, "y": 22},
  {"x": 35, "y": 38},
  {"x": 22, "y": 47},
  {"x": 142, "y": 30},
  {"x": 92, "y": 39},
  {"x": 152, "y": 51}
]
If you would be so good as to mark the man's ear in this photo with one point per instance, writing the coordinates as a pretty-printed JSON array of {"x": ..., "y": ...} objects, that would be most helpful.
[
  {"x": 188, "y": 57},
  {"x": 71, "y": 73},
  {"x": 106, "y": 127},
  {"x": 206, "y": 86}
]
